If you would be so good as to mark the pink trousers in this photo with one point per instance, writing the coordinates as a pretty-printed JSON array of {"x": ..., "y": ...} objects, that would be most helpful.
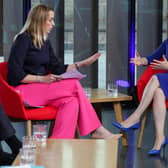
[{"x": 74, "y": 109}]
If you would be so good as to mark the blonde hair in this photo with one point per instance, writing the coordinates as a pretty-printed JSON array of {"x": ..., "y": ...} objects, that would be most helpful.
[{"x": 34, "y": 24}]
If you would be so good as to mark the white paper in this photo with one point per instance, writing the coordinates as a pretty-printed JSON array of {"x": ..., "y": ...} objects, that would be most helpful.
[{"x": 73, "y": 74}]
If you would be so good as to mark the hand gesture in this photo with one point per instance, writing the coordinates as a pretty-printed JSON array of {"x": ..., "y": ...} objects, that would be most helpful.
[
  {"x": 138, "y": 60},
  {"x": 156, "y": 64},
  {"x": 90, "y": 60}
]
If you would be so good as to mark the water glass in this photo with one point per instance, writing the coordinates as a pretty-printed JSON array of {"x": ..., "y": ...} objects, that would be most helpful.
[
  {"x": 40, "y": 132},
  {"x": 88, "y": 92},
  {"x": 27, "y": 156},
  {"x": 29, "y": 142},
  {"x": 112, "y": 87}
]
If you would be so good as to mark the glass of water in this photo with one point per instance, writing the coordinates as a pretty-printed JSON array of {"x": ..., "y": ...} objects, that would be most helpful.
[
  {"x": 29, "y": 142},
  {"x": 40, "y": 132},
  {"x": 27, "y": 156},
  {"x": 88, "y": 92},
  {"x": 112, "y": 88}
]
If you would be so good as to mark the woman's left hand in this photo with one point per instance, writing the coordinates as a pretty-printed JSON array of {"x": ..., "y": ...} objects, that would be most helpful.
[
  {"x": 85, "y": 62},
  {"x": 89, "y": 60},
  {"x": 156, "y": 64}
]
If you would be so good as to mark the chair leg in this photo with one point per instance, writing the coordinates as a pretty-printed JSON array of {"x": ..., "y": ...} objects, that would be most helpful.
[
  {"x": 51, "y": 127},
  {"x": 28, "y": 127},
  {"x": 141, "y": 131}
]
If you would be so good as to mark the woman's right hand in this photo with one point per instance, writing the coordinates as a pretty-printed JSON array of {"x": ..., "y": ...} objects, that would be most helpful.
[
  {"x": 138, "y": 60},
  {"x": 49, "y": 78},
  {"x": 41, "y": 79}
]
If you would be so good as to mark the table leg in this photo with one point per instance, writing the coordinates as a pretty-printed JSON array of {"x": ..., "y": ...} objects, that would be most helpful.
[
  {"x": 98, "y": 109},
  {"x": 28, "y": 127},
  {"x": 119, "y": 118}
]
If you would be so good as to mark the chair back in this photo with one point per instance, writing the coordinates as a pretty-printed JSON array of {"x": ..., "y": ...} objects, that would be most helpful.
[
  {"x": 3, "y": 70},
  {"x": 9, "y": 98}
]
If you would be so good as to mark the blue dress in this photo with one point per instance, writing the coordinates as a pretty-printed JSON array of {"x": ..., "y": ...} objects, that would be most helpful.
[{"x": 157, "y": 54}]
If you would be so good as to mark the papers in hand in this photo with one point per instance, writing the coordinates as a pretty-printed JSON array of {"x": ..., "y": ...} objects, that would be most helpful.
[{"x": 73, "y": 74}]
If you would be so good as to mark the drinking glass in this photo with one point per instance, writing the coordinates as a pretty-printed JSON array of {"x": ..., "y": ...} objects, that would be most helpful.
[
  {"x": 112, "y": 87},
  {"x": 88, "y": 92},
  {"x": 40, "y": 132},
  {"x": 29, "y": 142},
  {"x": 27, "y": 156}
]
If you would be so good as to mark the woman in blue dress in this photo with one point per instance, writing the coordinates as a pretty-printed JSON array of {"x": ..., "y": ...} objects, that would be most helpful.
[{"x": 156, "y": 90}]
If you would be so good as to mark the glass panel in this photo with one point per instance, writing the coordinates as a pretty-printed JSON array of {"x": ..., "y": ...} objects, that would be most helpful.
[
  {"x": 68, "y": 31},
  {"x": 165, "y": 20},
  {"x": 1, "y": 59},
  {"x": 102, "y": 44},
  {"x": 35, "y": 2},
  {"x": 12, "y": 23}
]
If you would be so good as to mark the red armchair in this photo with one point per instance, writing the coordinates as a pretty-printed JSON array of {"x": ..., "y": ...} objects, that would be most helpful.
[
  {"x": 143, "y": 80},
  {"x": 12, "y": 103}
]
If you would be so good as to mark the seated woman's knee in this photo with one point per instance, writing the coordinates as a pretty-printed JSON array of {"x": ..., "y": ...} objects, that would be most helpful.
[
  {"x": 154, "y": 78},
  {"x": 159, "y": 92}
]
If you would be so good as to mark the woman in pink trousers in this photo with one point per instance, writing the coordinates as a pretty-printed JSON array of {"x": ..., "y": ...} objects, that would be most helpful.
[{"x": 30, "y": 60}]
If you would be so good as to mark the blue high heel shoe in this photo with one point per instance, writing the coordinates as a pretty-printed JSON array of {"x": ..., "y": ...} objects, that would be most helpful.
[
  {"x": 154, "y": 152},
  {"x": 134, "y": 126}
]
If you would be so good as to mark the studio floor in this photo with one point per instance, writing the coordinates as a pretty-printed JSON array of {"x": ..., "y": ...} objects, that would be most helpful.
[
  {"x": 131, "y": 157},
  {"x": 128, "y": 157}
]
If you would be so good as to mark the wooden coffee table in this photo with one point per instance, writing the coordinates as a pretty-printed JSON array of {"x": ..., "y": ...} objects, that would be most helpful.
[
  {"x": 99, "y": 96},
  {"x": 77, "y": 153}
]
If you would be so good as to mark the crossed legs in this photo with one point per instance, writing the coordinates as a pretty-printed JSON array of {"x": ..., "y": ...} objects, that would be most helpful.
[
  {"x": 152, "y": 92},
  {"x": 75, "y": 110}
]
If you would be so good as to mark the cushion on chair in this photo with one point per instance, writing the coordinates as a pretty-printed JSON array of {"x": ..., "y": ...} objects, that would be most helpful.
[{"x": 46, "y": 113}]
